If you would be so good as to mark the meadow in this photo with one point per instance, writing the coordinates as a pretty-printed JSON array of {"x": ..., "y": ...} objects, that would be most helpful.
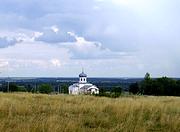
[{"x": 24, "y": 112}]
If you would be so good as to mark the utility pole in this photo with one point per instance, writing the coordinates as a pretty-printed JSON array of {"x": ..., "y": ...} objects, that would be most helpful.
[
  {"x": 35, "y": 88},
  {"x": 1, "y": 85},
  {"x": 58, "y": 89},
  {"x": 8, "y": 85},
  {"x": 8, "y": 80}
]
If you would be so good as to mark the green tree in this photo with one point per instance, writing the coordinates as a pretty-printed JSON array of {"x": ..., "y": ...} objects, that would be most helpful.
[
  {"x": 147, "y": 76},
  {"x": 45, "y": 88},
  {"x": 134, "y": 88},
  {"x": 22, "y": 89},
  {"x": 116, "y": 92},
  {"x": 13, "y": 87},
  {"x": 161, "y": 86},
  {"x": 146, "y": 86},
  {"x": 64, "y": 89},
  {"x": 101, "y": 91},
  {"x": 178, "y": 88},
  {"x": 168, "y": 85}
]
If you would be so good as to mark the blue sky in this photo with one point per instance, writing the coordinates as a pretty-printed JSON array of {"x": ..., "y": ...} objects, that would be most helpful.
[{"x": 109, "y": 38}]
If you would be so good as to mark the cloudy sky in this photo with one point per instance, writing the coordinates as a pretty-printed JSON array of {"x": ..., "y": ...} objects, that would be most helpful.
[{"x": 109, "y": 38}]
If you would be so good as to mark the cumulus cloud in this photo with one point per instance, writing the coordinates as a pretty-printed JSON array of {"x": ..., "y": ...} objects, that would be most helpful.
[
  {"x": 7, "y": 41},
  {"x": 28, "y": 37},
  {"x": 30, "y": 54},
  {"x": 54, "y": 35},
  {"x": 129, "y": 33},
  {"x": 83, "y": 49},
  {"x": 78, "y": 47},
  {"x": 55, "y": 28}
]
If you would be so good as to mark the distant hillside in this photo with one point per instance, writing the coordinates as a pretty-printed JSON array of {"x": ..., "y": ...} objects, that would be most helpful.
[{"x": 105, "y": 83}]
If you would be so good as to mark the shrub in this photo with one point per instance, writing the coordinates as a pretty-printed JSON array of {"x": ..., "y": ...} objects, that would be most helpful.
[{"x": 45, "y": 88}]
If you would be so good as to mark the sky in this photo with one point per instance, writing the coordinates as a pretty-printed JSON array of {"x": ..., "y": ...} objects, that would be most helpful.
[{"x": 108, "y": 38}]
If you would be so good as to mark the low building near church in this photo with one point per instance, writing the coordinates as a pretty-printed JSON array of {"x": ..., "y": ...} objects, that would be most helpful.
[{"x": 83, "y": 87}]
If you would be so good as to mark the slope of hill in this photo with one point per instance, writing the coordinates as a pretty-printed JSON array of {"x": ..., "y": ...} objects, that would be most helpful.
[{"x": 35, "y": 112}]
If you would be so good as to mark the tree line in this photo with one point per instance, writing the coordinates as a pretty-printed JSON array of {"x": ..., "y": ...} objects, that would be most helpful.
[
  {"x": 115, "y": 92},
  {"x": 42, "y": 88},
  {"x": 163, "y": 86}
]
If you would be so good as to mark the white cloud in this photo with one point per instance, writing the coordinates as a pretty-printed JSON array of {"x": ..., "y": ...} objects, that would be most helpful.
[
  {"x": 83, "y": 49},
  {"x": 111, "y": 30},
  {"x": 55, "y": 29},
  {"x": 37, "y": 35},
  {"x": 3, "y": 63},
  {"x": 7, "y": 41},
  {"x": 30, "y": 55},
  {"x": 54, "y": 35},
  {"x": 56, "y": 62},
  {"x": 18, "y": 36},
  {"x": 33, "y": 57}
]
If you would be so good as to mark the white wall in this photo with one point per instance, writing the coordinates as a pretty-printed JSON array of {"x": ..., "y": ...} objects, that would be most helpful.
[{"x": 82, "y": 80}]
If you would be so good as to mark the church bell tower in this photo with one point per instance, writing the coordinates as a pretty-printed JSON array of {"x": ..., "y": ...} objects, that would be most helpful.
[{"x": 82, "y": 77}]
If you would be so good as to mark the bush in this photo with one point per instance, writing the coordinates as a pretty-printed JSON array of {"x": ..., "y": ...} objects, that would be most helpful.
[
  {"x": 64, "y": 89},
  {"x": 45, "y": 88},
  {"x": 114, "y": 93},
  {"x": 13, "y": 87},
  {"x": 21, "y": 89}
]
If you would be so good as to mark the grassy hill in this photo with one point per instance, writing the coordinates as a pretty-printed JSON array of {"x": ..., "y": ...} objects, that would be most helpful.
[{"x": 56, "y": 113}]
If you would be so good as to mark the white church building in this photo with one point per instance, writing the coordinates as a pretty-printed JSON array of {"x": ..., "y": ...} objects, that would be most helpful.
[{"x": 83, "y": 87}]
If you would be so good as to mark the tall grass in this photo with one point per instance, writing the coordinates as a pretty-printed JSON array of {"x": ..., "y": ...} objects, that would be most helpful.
[{"x": 58, "y": 113}]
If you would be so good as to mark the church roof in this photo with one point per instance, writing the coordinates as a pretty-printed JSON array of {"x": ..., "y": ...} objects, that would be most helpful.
[
  {"x": 88, "y": 87},
  {"x": 82, "y": 74}
]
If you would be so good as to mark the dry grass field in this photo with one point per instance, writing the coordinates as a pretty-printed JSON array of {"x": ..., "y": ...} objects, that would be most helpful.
[{"x": 20, "y": 112}]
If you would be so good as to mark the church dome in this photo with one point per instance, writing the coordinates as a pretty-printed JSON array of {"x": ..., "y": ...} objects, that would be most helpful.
[{"x": 82, "y": 75}]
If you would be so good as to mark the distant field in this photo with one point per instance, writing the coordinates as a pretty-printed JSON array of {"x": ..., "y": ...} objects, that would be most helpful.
[{"x": 57, "y": 113}]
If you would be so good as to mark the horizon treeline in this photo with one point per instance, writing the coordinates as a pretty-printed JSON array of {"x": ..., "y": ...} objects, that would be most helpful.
[{"x": 163, "y": 86}]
